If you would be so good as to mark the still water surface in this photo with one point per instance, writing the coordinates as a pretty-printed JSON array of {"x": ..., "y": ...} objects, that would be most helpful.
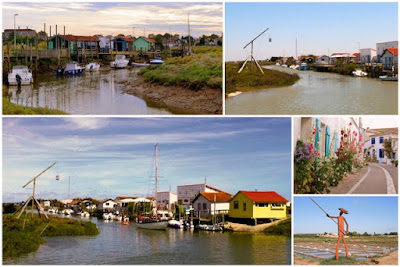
[
  {"x": 122, "y": 244},
  {"x": 96, "y": 93},
  {"x": 319, "y": 93}
]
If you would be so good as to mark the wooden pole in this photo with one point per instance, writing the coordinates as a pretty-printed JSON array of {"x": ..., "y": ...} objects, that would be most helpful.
[
  {"x": 30, "y": 54},
  {"x": 37, "y": 54}
]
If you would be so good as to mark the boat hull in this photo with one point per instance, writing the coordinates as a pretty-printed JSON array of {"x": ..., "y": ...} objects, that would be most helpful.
[
  {"x": 74, "y": 72},
  {"x": 162, "y": 225}
]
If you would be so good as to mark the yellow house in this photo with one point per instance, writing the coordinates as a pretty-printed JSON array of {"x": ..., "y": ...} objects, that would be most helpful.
[{"x": 257, "y": 205}]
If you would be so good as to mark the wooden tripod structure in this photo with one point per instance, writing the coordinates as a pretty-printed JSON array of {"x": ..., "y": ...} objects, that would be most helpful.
[
  {"x": 251, "y": 55},
  {"x": 32, "y": 197}
]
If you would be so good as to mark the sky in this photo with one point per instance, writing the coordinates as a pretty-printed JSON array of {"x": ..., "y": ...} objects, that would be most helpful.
[
  {"x": 320, "y": 28},
  {"x": 366, "y": 214},
  {"x": 376, "y": 122},
  {"x": 109, "y": 157},
  {"x": 89, "y": 18}
]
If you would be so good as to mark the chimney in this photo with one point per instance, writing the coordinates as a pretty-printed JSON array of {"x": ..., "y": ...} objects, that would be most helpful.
[{"x": 18, "y": 27}]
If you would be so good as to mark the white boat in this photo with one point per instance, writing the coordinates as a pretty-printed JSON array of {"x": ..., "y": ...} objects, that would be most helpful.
[
  {"x": 175, "y": 224},
  {"x": 108, "y": 216},
  {"x": 140, "y": 64},
  {"x": 20, "y": 75},
  {"x": 359, "y": 73},
  {"x": 389, "y": 78},
  {"x": 53, "y": 210},
  {"x": 68, "y": 211},
  {"x": 152, "y": 225},
  {"x": 156, "y": 61},
  {"x": 277, "y": 64},
  {"x": 85, "y": 214},
  {"x": 120, "y": 62},
  {"x": 210, "y": 227},
  {"x": 284, "y": 66},
  {"x": 73, "y": 68},
  {"x": 93, "y": 66}
]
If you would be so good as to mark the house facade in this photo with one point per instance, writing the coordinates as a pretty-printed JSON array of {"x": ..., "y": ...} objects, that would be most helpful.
[
  {"x": 18, "y": 33},
  {"x": 340, "y": 58},
  {"x": 186, "y": 193},
  {"x": 368, "y": 55},
  {"x": 144, "y": 44},
  {"x": 389, "y": 58},
  {"x": 374, "y": 145},
  {"x": 258, "y": 205},
  {"x": 380, "y": 48},
  {"x": 73, "y": 42},
  {"x": 326, "y": 131},
  {"x": 121, "y": 43},
  {"x": 166, "y": 200},
  {"x": 107, "y": 205},
  {"x": 323, "y": 60},
  {"x": 105, "y": 42},
  {"x": 209, "y": 204}
]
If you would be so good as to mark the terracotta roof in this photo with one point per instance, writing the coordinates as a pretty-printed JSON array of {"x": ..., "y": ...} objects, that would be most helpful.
[
  {"x": 382, "y": 131},
  {"x": 75, "y": 202},
  {"x": 71, "y": 38},
  {"x": 125, "y": 38},
  {"x": 265, "y": 196},
  {"x": 149, "y": 40},
  {"x": 392, "y": 50},
  {"x": 216, "y": 197},
  {"x": 356, "y": 54}
]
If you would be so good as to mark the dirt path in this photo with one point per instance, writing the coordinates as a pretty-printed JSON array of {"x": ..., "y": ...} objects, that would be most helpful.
[
  {"x": 389, "y": 260},
  {"x": 303, "y": 261},
  {"x": 176, "y": 98}
]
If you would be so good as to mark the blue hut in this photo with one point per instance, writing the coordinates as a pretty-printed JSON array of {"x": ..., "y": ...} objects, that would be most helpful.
[{"x": 122, "y": 43}]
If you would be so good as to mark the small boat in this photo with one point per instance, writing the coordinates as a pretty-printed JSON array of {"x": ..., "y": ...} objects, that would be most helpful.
[
  {"x": 304, "y": 66},
  {"x": 389, "y": 78},
  {"x": 20, "y": 75},
  {"x": 150, "y": 223},
  {"x": 294, "y": 67},
  {"x": 140, "y": 64},
  {"x": 73, "y": 68},
  {"x": 175, "y": 224},
  {"x": 67, "y": 211},
  {"x": 125, "y": 223},
  {"x": 210, "y": 227},
  {"x": 85, "y": 214},
  {"x": 53, "y": 210},
  {"x": 359, "y": 73},
  {"x": 277, "y": 64},
  {"x": 156, "y": 61},
  {"x": 93, "y": 66},
  {"x": 108, "y": 216},
  {"x": 120, "y": 62},
  {"x": 284, "y": 66}
]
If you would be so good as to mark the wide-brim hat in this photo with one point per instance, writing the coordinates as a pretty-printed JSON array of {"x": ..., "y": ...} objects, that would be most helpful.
[{"x": 344, "y": 211}]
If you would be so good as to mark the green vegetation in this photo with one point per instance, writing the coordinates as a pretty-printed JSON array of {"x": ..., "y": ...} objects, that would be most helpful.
[
  {"x": 25, "y": 235},
  {"x": 345, "y": 69},
  {"x": 203, "y": 69},
  {"x": 283, "y": 228},
  {"x": 249, "y": 80},
  {"x": 342, "y": 261}
]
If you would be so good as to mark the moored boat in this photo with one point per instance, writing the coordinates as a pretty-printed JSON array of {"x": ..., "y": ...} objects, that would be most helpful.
[
  {"x": 359, "y": 73},
  {"x": 304, "y": 66},
  {"x": 120, "y": 62},
  {"x": 20, "y": 75},
  {"x": 73, "y": 68},
  {"x": 93, "y": 66},
  {"x": 388, "y": 78},
  {"x": 156, "y": 61},
  {"x": 210, "y": 227},
  {"x": 140, "y": 64},
  {"x": 151, "y": 224}
]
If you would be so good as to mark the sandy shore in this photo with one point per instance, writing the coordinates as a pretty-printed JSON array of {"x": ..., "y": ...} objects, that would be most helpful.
[{"x": 177, "y": 99}]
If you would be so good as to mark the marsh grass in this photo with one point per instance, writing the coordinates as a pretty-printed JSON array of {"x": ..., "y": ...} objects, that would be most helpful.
[
  {"x": 203, "y": 69},
  {"x": 283, "y": 228},
  {"x": 248, "y": 80},
  {"x": 342, "y": 261},
  {"x": 19, "y": 240}
]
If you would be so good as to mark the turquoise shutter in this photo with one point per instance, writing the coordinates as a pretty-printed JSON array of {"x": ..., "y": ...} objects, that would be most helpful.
[
  {"x": 327, "y": 141},
  {"x": 336, "y": 142},
  {"x": 317, "y": 129}
]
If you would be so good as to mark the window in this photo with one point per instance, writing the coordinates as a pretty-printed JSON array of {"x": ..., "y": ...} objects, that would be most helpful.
[
  {"x": 236, "y": 205},
  {"x": 381, "y": 140},
  {"x": 373, "y": 141},
  {"x": 185, "y": 200},
  {"x": 262, "y": 205},
  {"x": 380, "y": 153},
  {"x": 107, "y": 204},
  {"x": 199, "y": 206},
  {"x": 244, "y": 206},
  {"x": 204, "y": 206},
  {"x": 276, "y": 205}
]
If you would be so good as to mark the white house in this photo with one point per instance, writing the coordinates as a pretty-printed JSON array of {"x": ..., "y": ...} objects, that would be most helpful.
[
  {"x": 107, "y": 205},
  {"x": 186, "y": 193},
  {"x": 166, "y": 200},
  {"x": 208, "y": 204},
  {"x": 329, "y": 131},
  {"x": 46, "y": 203},
  {"x": 389, "y": 58},
  {"x": 323, "y": 60},
  {"x": 368, "y": 55},
  {"x": 342, "y": 58},
  {"x": 374, "y": 145},
  {"x": 380, "y": 48},
  {"x": 106, "y": 42}
]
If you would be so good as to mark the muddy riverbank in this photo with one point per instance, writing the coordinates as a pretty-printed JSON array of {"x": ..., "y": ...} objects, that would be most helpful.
[{"x": 176, "y": 98}]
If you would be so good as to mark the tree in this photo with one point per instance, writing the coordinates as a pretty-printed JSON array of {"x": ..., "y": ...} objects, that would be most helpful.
[
  {"x": 387, "y": 145},
  {"x": 121, "y": 34},
  {"x": 9, "y": 208}
]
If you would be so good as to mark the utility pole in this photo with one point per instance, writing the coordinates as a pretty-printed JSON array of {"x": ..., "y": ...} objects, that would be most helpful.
[{"x": 15, "y": 34}]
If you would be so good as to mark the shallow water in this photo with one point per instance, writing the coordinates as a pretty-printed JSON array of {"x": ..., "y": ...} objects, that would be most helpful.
[
  {"x": 122, "y": 244},
  {"x": 96, "y": 93},
  {"x": 319, "y": 93}
]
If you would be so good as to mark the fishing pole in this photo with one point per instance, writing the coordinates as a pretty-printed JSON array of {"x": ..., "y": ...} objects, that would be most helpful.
[{"x": 372, "y": 260}]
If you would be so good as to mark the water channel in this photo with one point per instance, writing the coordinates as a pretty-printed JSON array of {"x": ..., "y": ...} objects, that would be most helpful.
[
  {"x": 319, "y": 93},
  {"x": 126, "y": 244},
  {"x": 97, "y": 93}
]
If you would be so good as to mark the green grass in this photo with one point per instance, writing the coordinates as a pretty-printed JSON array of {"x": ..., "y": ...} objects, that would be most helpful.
[
  {"x": 18, "y": 241},
  {"x": 203, "y": 69},
  {"x": 13, "y": 109},
  {"x": 248, "y": 80},
  {"x": 342, "y": 261},
  {"x": 283, "y": 228}
]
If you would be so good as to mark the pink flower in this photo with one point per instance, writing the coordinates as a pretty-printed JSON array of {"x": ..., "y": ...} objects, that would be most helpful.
[{"x": 350, "y": 124}]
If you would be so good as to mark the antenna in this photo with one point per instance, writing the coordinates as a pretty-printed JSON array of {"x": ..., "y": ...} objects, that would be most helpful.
[
  {"x": 32, "y": 197},
  {"x": 251, "y": 57}
]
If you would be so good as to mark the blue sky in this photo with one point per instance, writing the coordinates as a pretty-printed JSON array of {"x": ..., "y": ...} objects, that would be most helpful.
[
  {"x": 107, "y": 157},
  {"x": 319, "y": 27},
  {"x": 89, "y": 18},
  {"x": 366, "y": 214}
]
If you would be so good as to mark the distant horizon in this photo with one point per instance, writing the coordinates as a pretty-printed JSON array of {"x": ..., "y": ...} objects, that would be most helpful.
[
  {"x": 319, "y": 28},
  {"x": 136, "y": 18}
]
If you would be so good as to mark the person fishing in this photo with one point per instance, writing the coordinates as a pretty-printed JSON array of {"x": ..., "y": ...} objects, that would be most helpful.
[{"x": 341, "y": 232}]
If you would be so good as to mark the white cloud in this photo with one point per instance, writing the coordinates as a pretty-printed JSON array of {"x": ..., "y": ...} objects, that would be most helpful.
[{"x": 88, "y": 123}]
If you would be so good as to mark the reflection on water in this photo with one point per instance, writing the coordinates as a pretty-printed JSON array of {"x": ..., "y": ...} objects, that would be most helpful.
[
  {"x": 89, "y": 93},
  {"x": 122, "y": 244},
  {"x": 319, "y": 93}
]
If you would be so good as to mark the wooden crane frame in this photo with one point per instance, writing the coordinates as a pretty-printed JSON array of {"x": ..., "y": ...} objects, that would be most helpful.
[
  {"x": 251, "y": 55},
  {"x": 32, "y": 197}
]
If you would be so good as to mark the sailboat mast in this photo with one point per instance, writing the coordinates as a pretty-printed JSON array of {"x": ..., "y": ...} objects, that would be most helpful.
[{"x": 156, "y": 175}]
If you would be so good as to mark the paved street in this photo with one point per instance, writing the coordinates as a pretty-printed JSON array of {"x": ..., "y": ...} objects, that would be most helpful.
[{"x": 373, "y": 179}]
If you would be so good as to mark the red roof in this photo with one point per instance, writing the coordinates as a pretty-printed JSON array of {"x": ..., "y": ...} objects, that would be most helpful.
[
  {"x": 75, "y": 202},
  {"x": 216, "y": 197},
  {"x": 393, "y": 50},
  {"x": 125, "y": 38},
  {"x": 265, "y": 196},
  {"x": 149, "y": 40},
  {"x": 72, "y": 38},
  {"x": 356, "y": 54}
]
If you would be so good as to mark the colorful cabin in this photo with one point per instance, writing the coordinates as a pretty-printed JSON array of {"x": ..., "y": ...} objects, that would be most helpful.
[
  {"x": 122, "y": 43},
  {"x": 144, "y": 44}
]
